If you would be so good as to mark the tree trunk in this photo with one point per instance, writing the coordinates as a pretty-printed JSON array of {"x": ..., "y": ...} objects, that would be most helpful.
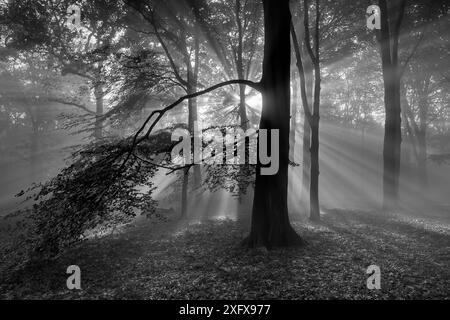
[
  {"x": 34, "y": 151},
  {"x": 422, "y": 160},
  {"x": 393, "y": 130},
  {"x": 242, "y": 98},
  {"x": 315, "y": 171},
  {"x": 293, "y": 117},
  {"x": 243, "y": 107},
  {"x": 306, "y": 181},
  {"x": 193, "y": 121},
  {"x": 306, "y": 163},
  {"x": 192, "y": 80},
  {"x": 270, "y": 220},
  {"x": 422, "y": 136},
  {"x": 99, "y": 109},
  {"x": 315, "y": 118},
  {"x": 184, "y": 193},
  {"x": 98, "y": 92}
]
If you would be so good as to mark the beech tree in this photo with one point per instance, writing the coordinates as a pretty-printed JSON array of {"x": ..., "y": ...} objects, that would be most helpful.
[{"x": 270, "y": 219}]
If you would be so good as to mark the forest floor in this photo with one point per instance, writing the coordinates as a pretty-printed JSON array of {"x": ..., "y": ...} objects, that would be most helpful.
[{"x": 166, "y": 260}]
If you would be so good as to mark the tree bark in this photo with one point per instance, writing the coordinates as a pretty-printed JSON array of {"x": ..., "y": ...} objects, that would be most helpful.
[
  {"x": 192, "y": 80},
  {"x": 314, "y": 119},
  {"x": 184, "y": 193},
  {"x": 293, "y": 117},
  {"x": 393, "y": 131},
  {"x": 244, "y": 124},
  {"x": 422, "y": 134},
  {"x": 270, "y": 220},
  {"x": 192, "y": 83},
  {"x": 306, "y": 181},
  {"x": 306, "y": 163}
]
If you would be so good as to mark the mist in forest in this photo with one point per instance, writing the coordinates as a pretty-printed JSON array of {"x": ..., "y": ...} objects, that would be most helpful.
[{"x": 351, "y": 177}]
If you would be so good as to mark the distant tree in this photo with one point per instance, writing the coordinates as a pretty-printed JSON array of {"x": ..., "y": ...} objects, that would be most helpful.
[{"x": 42, "y": 26}]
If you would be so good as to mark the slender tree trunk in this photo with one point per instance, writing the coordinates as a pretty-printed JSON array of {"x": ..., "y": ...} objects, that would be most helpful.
[
  {"x": 192, "y": 83},
  {"x": 306, "y": 163},
  {"x": 393, "y": 129},
  {"x": 270, "y": 220},
  {"x": 315, "y": 118},
  {"x": 294, "y": 103},
  {"x": 192, "y": 80},
  {"x": 242, "y": 97},
  {"x": 34, "y": 151},
  {"x": 422, "y": 136},
  {"x": 99, "y": 108},
  {"x": 244, "y": 125},
  {"x": 315, "y": 170},
  {"x": 193, "y": 122},
  {"x": 314, "y": 188},
  {"x": 184, "y": 193},
  {"x": 422, "y": 160},
  {"x": 98, "y": 92},
  {"x": 293, "y": 134},
  {"x": 243, "y": 107}
]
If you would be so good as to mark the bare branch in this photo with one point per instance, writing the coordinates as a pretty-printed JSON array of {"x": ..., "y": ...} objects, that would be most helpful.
[
  {"x": 160, "y": 113},
  {"x": 307, "y": 33},
  {"x": 70, "y": 103}
]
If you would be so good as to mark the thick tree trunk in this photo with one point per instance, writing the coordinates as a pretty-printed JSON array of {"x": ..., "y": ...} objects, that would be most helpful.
[
  {"x": 270, "y": 220},
  {"x": 391, "y": 151},
  {"x": 392, "y": 137}
]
